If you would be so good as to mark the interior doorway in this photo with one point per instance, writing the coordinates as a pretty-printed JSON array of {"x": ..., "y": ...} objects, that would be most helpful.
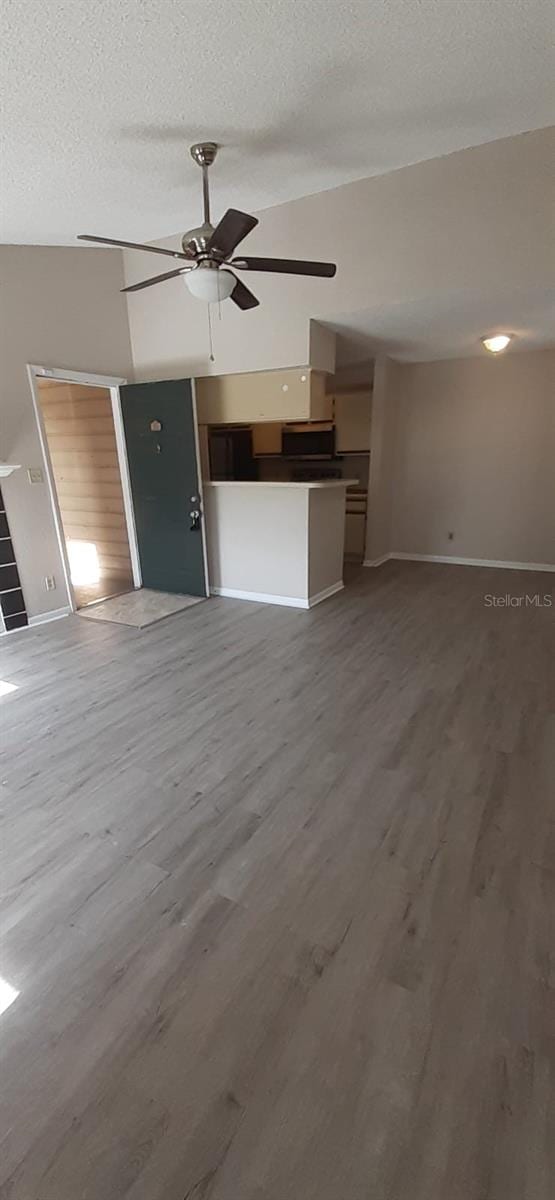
[{"x": 83, "y": 455}]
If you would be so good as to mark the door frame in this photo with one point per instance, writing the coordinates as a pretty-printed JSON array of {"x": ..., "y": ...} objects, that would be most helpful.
[
  {"x": 200, "y": 488},
  {"x": 86, "y": 379}
]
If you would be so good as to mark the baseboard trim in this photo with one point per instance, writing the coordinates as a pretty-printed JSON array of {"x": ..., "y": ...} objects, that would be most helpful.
[
  {"x": 284, "y": 601},
  {"x": 261, "y": 597},
  {"x": 55, "y": 615},
  {"x": 376, "y": 562},
  {"x": 330, "y": 591},
  {"x": 473, "y": 562}
]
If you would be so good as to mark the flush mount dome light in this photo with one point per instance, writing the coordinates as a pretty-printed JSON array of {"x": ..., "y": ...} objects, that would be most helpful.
[
  {"x": 496, "y": 343},
  {"x": 210, "y": 283}
]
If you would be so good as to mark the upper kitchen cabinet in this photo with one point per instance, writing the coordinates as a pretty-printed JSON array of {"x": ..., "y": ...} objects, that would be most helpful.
[
  {"x": 294, "y": 394},
  {"x": 352, "y": 422}
]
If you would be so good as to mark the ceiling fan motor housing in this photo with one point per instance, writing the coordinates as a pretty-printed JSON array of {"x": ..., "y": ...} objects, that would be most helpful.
[{"x": 195, "y": 241}]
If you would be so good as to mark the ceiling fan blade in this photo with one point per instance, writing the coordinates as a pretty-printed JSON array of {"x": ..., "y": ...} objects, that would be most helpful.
[
  {"x": 89, "y": 237},
  {"x": 242, "y": 297},
  {"x": 231, "y": 230},
  {"x": 137, "y": 287},
  {"x": 286, "y": 266}
]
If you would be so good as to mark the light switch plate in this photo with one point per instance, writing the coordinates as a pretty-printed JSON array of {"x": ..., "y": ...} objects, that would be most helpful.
[{"x": 35, "y": 475}]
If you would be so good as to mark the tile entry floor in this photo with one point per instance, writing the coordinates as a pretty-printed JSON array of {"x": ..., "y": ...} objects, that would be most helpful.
[
  {"x": 279, "y": 896},
  {"x": 140, "y": 608}
]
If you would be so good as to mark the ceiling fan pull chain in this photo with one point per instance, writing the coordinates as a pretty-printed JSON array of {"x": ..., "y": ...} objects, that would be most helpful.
[{"x": 210, "y": 345}]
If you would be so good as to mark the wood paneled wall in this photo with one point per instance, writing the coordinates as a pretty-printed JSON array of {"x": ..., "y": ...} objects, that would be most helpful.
[{"x": 81, "y": 439}]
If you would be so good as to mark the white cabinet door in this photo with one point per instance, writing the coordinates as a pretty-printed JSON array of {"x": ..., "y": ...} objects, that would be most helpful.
[{"x": 293, "y": 394}]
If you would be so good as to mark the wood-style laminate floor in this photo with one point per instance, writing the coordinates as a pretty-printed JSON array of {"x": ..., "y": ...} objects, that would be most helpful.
[{"x": 278, "y": 899}]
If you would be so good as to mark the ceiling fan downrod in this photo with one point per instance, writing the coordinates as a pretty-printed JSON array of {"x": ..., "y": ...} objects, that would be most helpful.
[{"x": 204, "y": 154}]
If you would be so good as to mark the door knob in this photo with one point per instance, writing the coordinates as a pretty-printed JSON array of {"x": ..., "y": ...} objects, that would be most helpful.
[{"x": 194, "y": 517}]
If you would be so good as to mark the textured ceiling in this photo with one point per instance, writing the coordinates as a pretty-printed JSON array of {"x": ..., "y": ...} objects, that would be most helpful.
[
  {"x": 101, "y": 100},
  {"x": 448, "y": 325}
]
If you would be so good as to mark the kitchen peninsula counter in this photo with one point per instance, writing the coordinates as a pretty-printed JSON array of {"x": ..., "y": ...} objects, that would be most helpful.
[{"x": 276, "y": 542}]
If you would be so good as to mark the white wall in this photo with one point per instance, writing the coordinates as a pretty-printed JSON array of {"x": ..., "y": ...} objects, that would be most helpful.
[
  {"x": 423, "y": 235},
  {"x": 475, "y": 454},
  {"x": 61, "y": 307}
]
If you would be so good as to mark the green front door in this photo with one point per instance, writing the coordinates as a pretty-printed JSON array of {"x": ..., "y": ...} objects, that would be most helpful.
[{"x": 159, "y": 428}]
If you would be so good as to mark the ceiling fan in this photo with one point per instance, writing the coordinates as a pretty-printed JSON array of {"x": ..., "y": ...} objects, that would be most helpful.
[{"x": 207, "y": 250}]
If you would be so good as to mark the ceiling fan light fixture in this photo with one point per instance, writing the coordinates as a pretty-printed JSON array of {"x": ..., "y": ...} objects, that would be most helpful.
[
  {"x": 210, "y": 284},
  {"x": 496, "y": 343},
  {"x": 206, "y": 251}
]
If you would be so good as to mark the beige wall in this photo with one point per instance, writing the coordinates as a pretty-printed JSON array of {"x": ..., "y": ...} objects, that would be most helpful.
[
  {"x": 281, "y": 541},
  {"x": 431, "y": 232},
  {"x": 475, "y": 454},
  {"x": 321, "y": 347},
  {"x": 257, "y": 538},
  {"x": 61, "y": 307},
  {"x": 326, "y": 514},
  {"x": 385, "y": 400}
]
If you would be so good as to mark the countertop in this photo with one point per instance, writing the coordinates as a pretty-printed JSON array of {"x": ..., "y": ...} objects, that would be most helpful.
[{"x": 280, "y": 483}]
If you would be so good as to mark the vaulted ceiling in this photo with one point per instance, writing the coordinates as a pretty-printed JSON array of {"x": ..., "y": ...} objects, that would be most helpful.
[{"x": 101, "y": 101}]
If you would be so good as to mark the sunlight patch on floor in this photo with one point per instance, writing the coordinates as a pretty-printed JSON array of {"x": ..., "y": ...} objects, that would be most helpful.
[
  {"x": 6, "y": 688},
  {"x": 7, "y": 994}
]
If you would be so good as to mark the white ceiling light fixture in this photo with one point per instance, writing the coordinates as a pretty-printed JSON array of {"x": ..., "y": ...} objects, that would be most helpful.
[
  {"x": 496, "y": 343},
  {"x": 209, "y": 284}
]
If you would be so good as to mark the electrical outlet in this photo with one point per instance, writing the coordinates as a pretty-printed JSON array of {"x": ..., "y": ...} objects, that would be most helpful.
[
  {"x": 49, "y": 583},
  {"x": 35, "y": 475}
]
